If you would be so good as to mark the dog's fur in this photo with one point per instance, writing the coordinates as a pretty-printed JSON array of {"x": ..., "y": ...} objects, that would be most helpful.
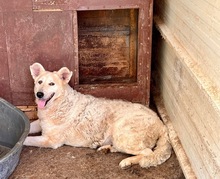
[{"x": 71, "y": 118}]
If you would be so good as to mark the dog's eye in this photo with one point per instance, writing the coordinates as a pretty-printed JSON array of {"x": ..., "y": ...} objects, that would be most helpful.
[
  {"x": 39, "y": 82},
  {"x": 51, "y": 84}
]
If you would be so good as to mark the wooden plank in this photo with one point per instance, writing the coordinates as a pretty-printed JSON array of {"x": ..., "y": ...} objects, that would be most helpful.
[
  {"x": 30, "y": 111},
  {"x": 205, "y": 138},
  {"x": 185, "y": 87},
  {"x": 189, "y": 26},
  {"x": 174, "y": 139},
  {"x": 183, "y": 131},
  {"x": 188, "y": 90},
  {"x": 181, "y": 121},
  {"x": 203, "y": 68},
  {"x": 206, "y": 11},
  {"x": 214, "y": 3}
]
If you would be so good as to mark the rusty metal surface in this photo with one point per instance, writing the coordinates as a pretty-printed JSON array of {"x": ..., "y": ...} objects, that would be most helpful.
[
  {"x": 29, "y": 34},
  {"x": 129, "y": 92},
  {"x": 88, "y": 4},
  {"x": 144, "y": 49},
  {"x": 43, "y": 37},
  {"x": 15, "y": 5},
  {"x": 106, "y": 46},
  {"x": 5, "y": 90}
]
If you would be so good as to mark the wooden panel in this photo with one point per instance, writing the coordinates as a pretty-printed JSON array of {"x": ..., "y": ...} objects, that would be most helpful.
[
  {"x": 174, "y": 139},
  {"x": 192, "y": 103},
  {"x": 107, "y": 46},
  {"x": 196, "y": 26},
  {"x": 190, "y": 77},
  {"x": 43, "y": 37}
]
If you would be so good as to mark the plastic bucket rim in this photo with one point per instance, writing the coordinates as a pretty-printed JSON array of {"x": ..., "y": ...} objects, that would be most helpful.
[{"x": 19, "y": 143}]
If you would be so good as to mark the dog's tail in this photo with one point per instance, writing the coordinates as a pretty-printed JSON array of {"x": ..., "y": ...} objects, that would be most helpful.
[{"x": 161, "y": 153}]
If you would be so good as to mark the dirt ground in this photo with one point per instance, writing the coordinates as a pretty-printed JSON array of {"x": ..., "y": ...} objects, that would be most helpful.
[{"x": 84, "y": 163}]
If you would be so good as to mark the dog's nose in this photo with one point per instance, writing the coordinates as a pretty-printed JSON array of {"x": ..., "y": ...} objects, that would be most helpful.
[{"x": 40, "y": 94}]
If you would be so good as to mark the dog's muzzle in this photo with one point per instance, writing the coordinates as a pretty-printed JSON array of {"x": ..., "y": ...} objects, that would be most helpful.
[
  {"x": 42, "y": 101},
  {"x": 40, "y": 94}
]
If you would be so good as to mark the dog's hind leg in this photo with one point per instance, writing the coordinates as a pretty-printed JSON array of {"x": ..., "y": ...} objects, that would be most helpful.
[
  {"x": 147, "y": 158},
  {"x": 128, "y": 162},
  {"x": 160, "y": 154},
  {"x": 135, "y": 159}
]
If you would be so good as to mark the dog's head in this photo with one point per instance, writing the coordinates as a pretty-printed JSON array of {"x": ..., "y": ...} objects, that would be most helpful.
[{"x": 49, "y": 85}]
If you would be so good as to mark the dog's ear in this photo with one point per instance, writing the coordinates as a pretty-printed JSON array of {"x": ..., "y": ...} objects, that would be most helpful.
[
  {"x": 65, "y": 74},
  {"x": 36, "y": 69}
]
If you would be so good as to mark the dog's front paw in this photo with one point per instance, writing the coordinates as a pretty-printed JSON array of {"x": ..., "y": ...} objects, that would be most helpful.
[
  {"x": 126, "y": 163},
  {"x": 27, "y": 141},
  {"x": 41, "y": 141}
]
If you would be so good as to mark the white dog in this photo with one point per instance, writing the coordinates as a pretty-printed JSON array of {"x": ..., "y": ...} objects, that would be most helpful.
[{"x": 71, "y": 118}]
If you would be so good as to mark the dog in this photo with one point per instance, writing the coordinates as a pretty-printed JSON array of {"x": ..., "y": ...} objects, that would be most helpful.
[{"x": 67, "y": 117}]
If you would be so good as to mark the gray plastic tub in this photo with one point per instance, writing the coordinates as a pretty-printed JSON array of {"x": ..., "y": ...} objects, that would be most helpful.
[{"x": 14, "y": 128}]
